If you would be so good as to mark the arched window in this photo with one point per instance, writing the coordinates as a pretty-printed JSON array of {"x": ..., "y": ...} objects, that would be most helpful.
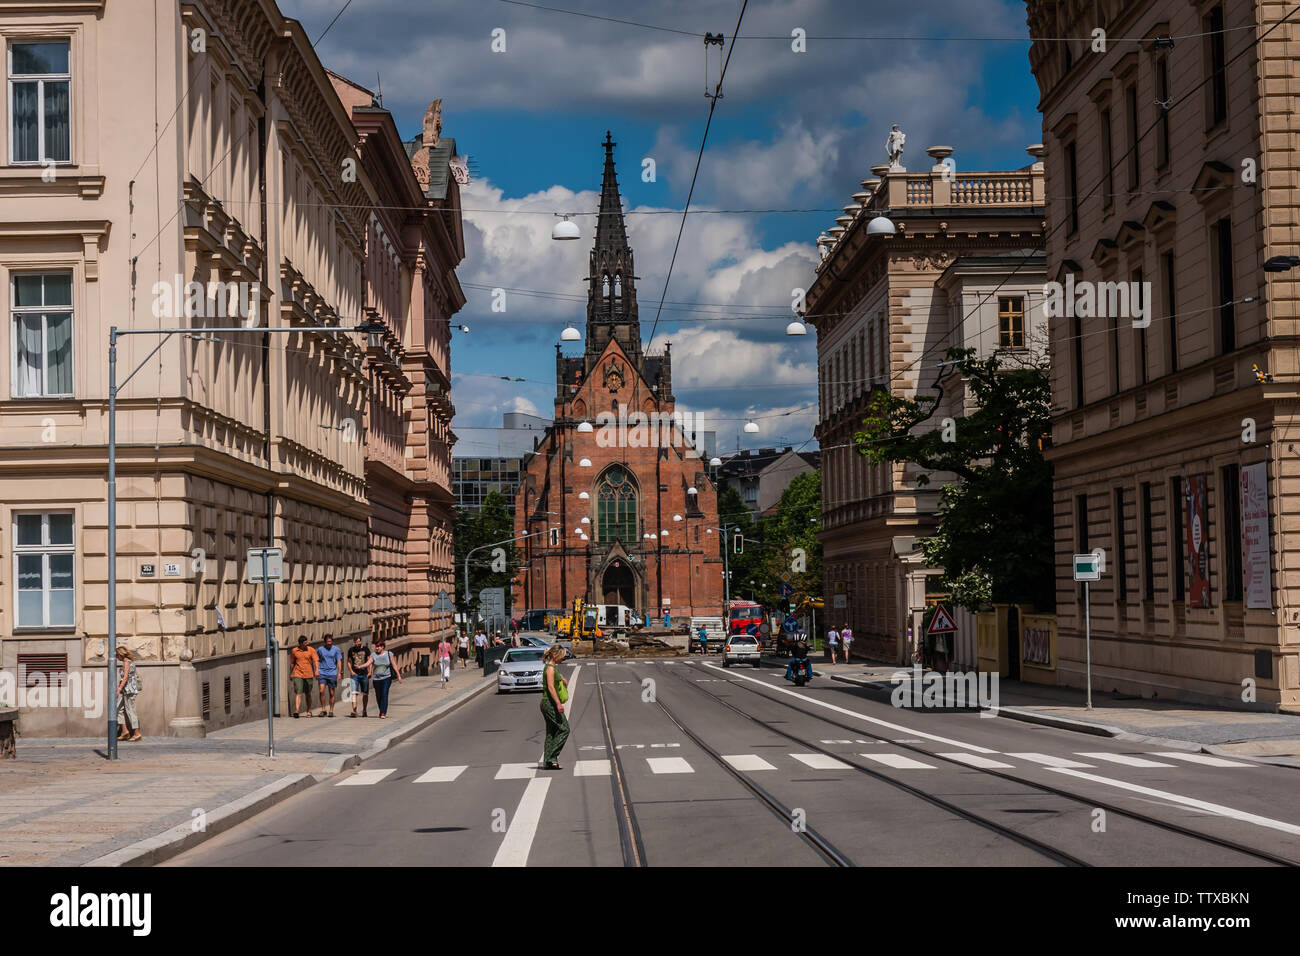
[
  {"x": 616, "y": 496},
  {"x": 618, "y": 285},
  {"x": 604, "y": 286}
]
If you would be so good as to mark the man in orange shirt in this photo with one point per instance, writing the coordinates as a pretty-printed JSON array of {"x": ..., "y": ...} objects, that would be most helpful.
[{"x": 302, "y": 665}]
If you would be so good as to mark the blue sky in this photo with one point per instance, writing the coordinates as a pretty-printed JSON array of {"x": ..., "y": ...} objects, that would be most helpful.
[{"x": 792, "y": 131}]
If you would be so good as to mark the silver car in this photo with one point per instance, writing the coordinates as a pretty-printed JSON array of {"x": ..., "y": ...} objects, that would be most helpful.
[
  {"x": 521, "y": 669},
  {"x": 741, "y": 649}
]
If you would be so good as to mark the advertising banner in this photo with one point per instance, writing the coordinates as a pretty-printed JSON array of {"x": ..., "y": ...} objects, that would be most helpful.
[
  {"x": 1254, "y": 536},
  {"x": 1198, "y": 543}
]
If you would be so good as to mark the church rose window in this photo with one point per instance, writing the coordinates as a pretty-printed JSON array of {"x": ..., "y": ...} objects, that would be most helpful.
[{"x": 616, "y": 506}]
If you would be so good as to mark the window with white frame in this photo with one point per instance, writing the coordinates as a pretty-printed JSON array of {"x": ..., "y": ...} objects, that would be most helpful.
[
  {"x": 44, "y": 552},
  {"x": 40, "y": 104},
  {"x": 41, "y": 303}
]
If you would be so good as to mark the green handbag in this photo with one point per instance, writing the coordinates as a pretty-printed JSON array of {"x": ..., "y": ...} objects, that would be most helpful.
[{"x": 561, "y": 687}]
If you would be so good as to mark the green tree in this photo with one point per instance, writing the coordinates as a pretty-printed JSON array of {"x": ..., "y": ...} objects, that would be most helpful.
[
  {"x": 995, "y": 537},
  {"x": 487, "y": 568},
  {"x": 733, "y": 515},
  {"x": 790, "y": 538}
]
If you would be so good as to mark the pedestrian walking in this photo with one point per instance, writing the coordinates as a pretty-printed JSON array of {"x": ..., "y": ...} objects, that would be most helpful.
[
  {"x": 329, "y": 657},
  {"x": 444, "y": 659},
  {"x": 846, "y": 639},
  {"x": 359, "y": 667},
  {"x": 555, "y": 692},
  {"x": 128, "y": 687},
  {"x": 302, "y": 665},
  {"x": 833, "y": 642},
  {"x": 704, "y": 639},
  {"x": 383, "y": 672},
  {"x": 480, "y": 644},
  {"x": 464, "y": 649}
]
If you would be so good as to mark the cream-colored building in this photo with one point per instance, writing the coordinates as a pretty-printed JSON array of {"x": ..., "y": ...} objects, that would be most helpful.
[
  {"x": 1171, "y": 162},
  {"x": 145, "y": 147},
  {"x": 964, "y": 269}
]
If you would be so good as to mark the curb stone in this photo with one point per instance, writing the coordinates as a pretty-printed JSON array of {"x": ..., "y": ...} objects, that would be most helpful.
[
  {"x": 155, "y": 849},
  {"x": 1098, "y": 730}
]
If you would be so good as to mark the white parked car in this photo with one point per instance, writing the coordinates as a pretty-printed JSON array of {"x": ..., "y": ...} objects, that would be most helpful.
[
  {"x": 742, "y": 649},
  {"x": 521, "y": 669}
]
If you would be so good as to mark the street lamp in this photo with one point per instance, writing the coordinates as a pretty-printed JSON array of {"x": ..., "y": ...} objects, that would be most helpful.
[
  {"x": 585, "y": 428},
  {"x": 565, "y": 229},
  {"x": 881, "y": 226},
  {"x": 570, "y": 334},
  {"x": 751, "y": 427},
  {"x": 369, "y": 329}
]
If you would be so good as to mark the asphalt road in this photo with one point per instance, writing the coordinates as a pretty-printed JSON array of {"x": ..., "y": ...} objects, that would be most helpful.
[{"x": 739, "y": 767}]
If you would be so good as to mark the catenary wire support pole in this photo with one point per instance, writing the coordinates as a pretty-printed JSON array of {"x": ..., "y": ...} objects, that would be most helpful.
[
  {"x": 494, "y": 544},
  {"x": 113, "y": 389}
]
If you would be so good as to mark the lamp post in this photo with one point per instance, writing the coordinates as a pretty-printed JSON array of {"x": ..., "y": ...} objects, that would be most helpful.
[{"x": 113, "y": 388}]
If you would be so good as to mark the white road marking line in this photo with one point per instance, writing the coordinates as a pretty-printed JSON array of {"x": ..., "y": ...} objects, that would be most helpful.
[
  {"x": 1205, "y": 759},
  {"x": 516, "y": 771},
  {"x": 591, "y": 768},
  {"x": 975, "y": 760},
  {"x": 1188, "y": 801},
  {"x": 1126, "y": 759},
  {"x": 870, "y": 720},
  {"x": 837, "y": 741},
  {"x": 669, "y": 765},
  {"x": 440, "y": 774},
  {"x": 748, "y": 762},
  {"x": 821, "y": 762},
  {"x": 523, "y": 825},
  {"x": 898, "y": 761},
  {"x": 364, "y": 778},
  {"x": 1050, "y": 761}
]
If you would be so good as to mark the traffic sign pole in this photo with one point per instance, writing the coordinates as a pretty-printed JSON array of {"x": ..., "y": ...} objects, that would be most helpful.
[{"x": 1087, "y": 640}]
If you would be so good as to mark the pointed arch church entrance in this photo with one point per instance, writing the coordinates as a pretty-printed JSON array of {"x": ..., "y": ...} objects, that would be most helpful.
[{"x": 618, "y": 584}]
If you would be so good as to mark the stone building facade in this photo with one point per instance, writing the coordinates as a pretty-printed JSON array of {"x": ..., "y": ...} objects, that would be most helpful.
[
  {"x": 225, "y": 442},
  {"x": 963, "y": 269},
  {"x": 1172, "y": 163},
  {"x": 615, "y": 466}
]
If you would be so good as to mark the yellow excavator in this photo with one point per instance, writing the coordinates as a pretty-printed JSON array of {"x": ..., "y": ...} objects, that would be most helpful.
[{"x": 580, "y": 624}]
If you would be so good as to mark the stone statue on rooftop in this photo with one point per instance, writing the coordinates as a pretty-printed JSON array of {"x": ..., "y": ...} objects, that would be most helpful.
[{"x": 894, "y": 147}]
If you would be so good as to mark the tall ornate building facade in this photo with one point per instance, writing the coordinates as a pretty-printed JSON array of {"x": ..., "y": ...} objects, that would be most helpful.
[
  {"x": 964, "y": 269},
  {"x": 1172, "y": 165},
  {"x": 245, "y": 197},
  {"x": 616, "y": 502}
]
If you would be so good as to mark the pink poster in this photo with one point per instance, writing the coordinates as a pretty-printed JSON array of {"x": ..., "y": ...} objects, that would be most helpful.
[{"x": 1254, "y": 536}]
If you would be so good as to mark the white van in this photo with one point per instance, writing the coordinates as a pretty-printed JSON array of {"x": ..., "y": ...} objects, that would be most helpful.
[{"x": 618, "y": 615}]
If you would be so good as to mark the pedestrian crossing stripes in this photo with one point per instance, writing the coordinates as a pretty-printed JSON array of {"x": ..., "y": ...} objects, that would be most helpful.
[{"x": 753, "y": 763}]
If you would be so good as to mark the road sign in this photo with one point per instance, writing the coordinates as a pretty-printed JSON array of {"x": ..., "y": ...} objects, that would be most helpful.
[
  {"x": 1087, "y": 567},
  {"x": 265, "y": 565},
  {"x": 786, "y": 590},
  {"x": 444, "y": 603},
  {"x": 942, "y": 622}
]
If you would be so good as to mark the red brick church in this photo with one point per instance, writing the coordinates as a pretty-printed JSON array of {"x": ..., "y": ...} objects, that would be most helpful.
[{"x": 634, "y": 512}]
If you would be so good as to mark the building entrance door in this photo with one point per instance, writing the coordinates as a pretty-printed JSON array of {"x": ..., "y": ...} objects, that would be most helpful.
[{"x": 618, "y": 585}]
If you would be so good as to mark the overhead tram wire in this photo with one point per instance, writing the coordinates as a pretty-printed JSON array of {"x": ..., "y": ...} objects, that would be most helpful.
[
  {"x": 893, "y": 38},
  {"x": 713, "y": 105}
]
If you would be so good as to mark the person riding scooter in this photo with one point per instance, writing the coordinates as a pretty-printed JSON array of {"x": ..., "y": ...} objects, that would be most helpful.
[{"x": 798, "y": 657}]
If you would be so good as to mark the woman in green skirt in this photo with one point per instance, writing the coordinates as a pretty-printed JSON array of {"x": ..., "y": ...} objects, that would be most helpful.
[{"x": 554, "y": 694}]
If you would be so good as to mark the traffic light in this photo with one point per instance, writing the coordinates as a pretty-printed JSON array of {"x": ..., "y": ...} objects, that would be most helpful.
[{"x": 740, "y": 544}]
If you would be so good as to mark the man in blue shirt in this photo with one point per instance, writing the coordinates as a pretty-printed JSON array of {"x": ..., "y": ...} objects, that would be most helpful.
[{"x": 329, "y": 672}]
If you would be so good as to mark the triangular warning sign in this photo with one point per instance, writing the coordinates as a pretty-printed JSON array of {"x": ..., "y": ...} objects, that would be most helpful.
[{"x": 942, "y": 622}]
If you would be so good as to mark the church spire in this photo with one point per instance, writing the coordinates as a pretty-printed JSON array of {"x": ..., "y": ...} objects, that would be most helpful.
[{"x": 611, "y": 283}]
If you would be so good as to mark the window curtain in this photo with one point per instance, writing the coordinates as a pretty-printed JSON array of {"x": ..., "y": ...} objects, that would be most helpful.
[
  {"x": 58, "y": 353},
  {"x": 27, "y": 341},
  {"x": 26, "y": 132},
  {"x": 58, "y": 119}
]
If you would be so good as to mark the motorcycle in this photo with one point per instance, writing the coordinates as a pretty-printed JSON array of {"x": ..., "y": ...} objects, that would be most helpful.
[{"x": 799, "y": 671}]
